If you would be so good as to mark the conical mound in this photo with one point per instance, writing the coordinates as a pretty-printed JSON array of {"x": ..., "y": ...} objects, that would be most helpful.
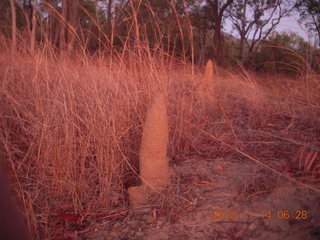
[
  {"x": 209, "y": 71},
  {"x": 154, "y": 165}
]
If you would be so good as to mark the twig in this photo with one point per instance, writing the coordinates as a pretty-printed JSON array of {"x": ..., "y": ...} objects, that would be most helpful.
[{"x": 286, "y": 139}]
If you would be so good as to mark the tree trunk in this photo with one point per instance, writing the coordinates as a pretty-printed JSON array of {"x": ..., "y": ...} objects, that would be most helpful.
[
  {"x": 217, "y": 15},
  {"x": 54, "y": 26},
  {"x": 109, "y": 12},
  {"x": 69, "y": 24},
  {"x": 30, "y": 12},
  {"x": 241, "y": 50},
  {"x": 252, "y": 52},
  {"x": 63, "y": 26},
  {"x": 217, "y": 41},
  {"x": 73, "y": 20},
  {"x": 243, "y": 31},
  {"x": 14, "y": 27},
  {"x": 203, "y": 42},
  {"x": 52, "y": 33},
  {"x": 34, "y": 25}
]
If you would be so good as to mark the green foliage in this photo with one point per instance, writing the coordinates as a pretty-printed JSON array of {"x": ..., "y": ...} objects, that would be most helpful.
[
  {"x": 177, "y": 28},
  {"x": 310, "y": 14},
  {"x": 283, "y": 52}
]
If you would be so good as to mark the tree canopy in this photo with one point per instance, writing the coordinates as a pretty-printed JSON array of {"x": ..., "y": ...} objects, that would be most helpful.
[{"x": 194, "y": 30}]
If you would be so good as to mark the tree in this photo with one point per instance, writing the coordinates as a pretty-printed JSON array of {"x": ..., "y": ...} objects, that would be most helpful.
[
  {"x": 34, "y": 25},
  {"x": 310, "y": 14},
  {"x": 160, "y": 25},
  {"x": 109, "y": 18},
  {"x": 238, "y": 14},
  {"x": 50, "y": 9},
  {"x": 200, "y": 18},
  {"x": 14, "y": 26},
  {"x": 254, "y": 20},
  {"x": 283, "y": 52},
  {"x": 218, "y": 8},
  {"x": 70, "y": 9}
]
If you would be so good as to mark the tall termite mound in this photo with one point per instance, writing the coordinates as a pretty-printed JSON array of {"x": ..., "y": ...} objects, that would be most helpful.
[
  {"x": 153, "y": 161},
  {"x": 154, "y": 167},
  {"x": 205, "y": 87},
  {"x": 209, "y": 72}
]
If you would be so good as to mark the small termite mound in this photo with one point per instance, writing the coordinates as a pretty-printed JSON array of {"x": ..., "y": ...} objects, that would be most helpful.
[
  {"x": 153, "y": 161},
  {"x": 208, "y": 78},
  {"x": 209, "y": 71},
  {"x": 205, "y": 87}
]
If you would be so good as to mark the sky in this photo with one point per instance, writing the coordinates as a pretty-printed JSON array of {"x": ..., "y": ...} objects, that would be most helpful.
[
  {"x": 286, "y": 24},
  {"x": 292, "y": 24}
]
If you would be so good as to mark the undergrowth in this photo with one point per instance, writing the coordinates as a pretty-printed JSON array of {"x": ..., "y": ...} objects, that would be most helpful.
[{"x": 71, "y": 127}]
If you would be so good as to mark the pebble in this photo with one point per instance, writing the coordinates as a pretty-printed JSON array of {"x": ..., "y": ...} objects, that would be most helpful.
[
  {"x": 139, "y": 233},
  {"x": 190, "y": 208},
  {"x": 253, "y": 226},
  {"x": 131, "y": 222},
  {"x": 218, "y": 168},
  {"x": 116, "y": 224},
  {"x": 150, "y": 219},
  {"x": 160, "y": 224}
]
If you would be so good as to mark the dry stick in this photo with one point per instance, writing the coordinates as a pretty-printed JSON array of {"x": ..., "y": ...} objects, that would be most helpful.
[
  {"x": 255, "y": 160},
  {"x": 286, "y": 139}
]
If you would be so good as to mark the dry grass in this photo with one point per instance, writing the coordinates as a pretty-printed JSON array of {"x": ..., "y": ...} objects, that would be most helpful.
[{"x": 71, "y": 128}]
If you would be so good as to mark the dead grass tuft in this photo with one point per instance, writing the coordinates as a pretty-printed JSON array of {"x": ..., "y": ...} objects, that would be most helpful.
[{"x": 70, "y": 129}]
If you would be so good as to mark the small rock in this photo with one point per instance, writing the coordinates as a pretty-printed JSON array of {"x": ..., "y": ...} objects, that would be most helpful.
[
  {"x": 139, "y": 233},
  {"x": 113, "y": 234},
  {"x": 190, "y": 208},
  {"x": 253, "y": 226},
  {"x": 116, "y": 225},
  {"x": 160, "y": 224},
  {"x": 218, "y": 168},
  {"x": 150, "y": 219},
  {"x": 131, "y": 222}
]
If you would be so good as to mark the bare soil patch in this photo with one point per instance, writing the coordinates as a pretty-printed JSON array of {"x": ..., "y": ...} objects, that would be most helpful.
[{"x": 221, "y": 198}]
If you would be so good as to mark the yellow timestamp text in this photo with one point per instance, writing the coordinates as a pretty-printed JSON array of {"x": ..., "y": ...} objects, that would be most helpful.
[{"x": 218, "y": 213}]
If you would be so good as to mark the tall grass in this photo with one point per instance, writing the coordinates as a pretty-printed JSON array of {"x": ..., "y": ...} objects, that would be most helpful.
[{"x": 71, "y": 125}]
